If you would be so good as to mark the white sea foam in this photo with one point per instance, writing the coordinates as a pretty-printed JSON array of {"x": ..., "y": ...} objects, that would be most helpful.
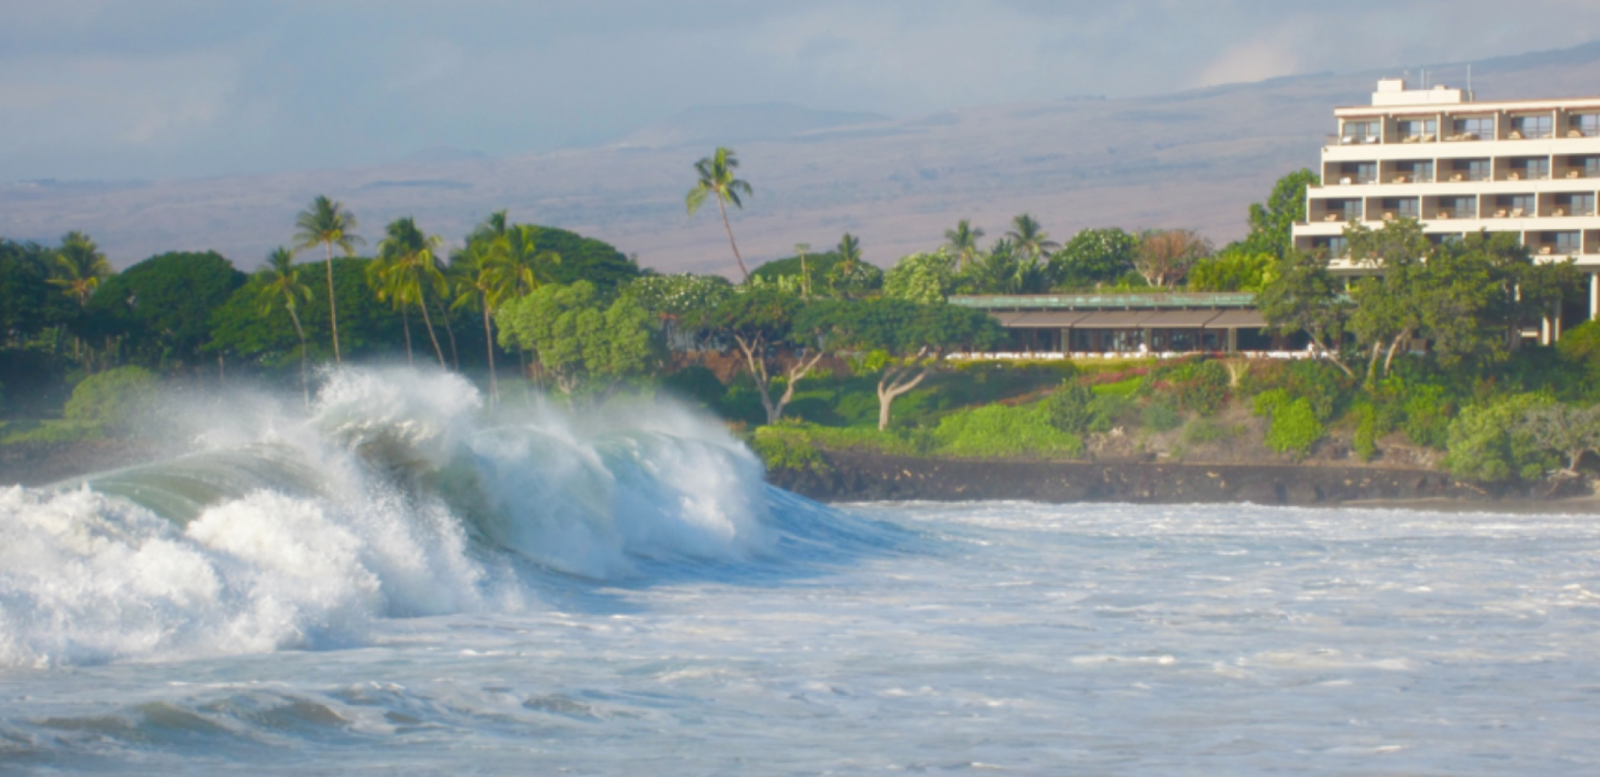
[{"x": 395, "y": 498}]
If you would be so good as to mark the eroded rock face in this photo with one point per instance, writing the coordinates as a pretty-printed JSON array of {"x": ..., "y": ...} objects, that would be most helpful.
[{"x": 857, "y": 476}]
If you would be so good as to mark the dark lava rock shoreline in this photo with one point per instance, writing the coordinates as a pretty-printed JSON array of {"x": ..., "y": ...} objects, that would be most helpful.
[{"x": 854, "y": 476}]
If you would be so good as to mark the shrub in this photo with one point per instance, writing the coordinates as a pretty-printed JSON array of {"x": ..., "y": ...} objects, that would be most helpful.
[
  {"x": 997, "y": 430},
  {"x": 1488, "y": 443},
  {"x": 1161, "y": 417},
  {"x": 1294, "y": 426},
  {"x": 1427, "y": 414},
  {"x": 1204, "y": 388},
  {"x": 112, "y": 399},
  {"x": 1071, "y": 408},
  {"x": 1294, "y": 429},
  {"x": 1366, "y": 441}
]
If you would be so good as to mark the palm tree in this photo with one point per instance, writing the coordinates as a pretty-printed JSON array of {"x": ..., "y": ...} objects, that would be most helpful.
[
  {"x": 716, "y": 178},
  {"x": 849, "y": 251},
  {"x": 328, "y": 223},
  {"x": 1029, "y": 238},
  {"x": 963, "y": 240},
  {"x": 517, "y": 251},
  {"x": 480, "y": 282},
  {"x": 78, "y": 269},
  {"x": 281, "y": 285},
  {"x": 407, "y": 270},
  {"x": 800, "y": 250}
]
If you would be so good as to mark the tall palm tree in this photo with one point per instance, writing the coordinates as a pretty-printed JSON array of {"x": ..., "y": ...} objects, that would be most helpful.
[
  {"x": 963, "y": 241},
  {"x": 328, "y": 223},
  {"x": 479, "y": 281},
  {"x": 716, "y": 179},
  {"x": 408, "y": 270},
  {"x": 849, "y": 252},
  {"x": 1029, "y": 238},
  {"x": 78, "y": 267},
  {"x": 281, "y": 285},
  {"x": 517, "y": 251}
]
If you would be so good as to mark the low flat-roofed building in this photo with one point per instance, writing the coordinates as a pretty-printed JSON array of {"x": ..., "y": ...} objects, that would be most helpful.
[{"x": 1135, "y": 323}]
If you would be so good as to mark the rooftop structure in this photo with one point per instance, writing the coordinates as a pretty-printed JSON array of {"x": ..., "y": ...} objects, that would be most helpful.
[
  {"x": 1128, "y": 323},
  {"x": 1457, "y": 165}
]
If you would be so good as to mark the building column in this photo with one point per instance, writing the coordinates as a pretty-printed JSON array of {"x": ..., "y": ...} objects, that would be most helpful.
[
  {"x": 1594, "y": 295},
  {"x": 1233, "y": 339},
  {"x": 1544, "y": 330}
]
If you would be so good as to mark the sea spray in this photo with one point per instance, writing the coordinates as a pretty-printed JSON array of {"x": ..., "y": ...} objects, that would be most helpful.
[{"x": 399, "y": 496}]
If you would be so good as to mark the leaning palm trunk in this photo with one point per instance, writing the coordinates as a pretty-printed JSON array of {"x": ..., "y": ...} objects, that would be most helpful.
[
  {"x": 735, "y": 246},
  {"x": 450, "y": 334},
  {"x": 428, "y": 322},
  {"x": 488, "y": 338},
  {"x": 405, "y": 326},
  {"x": 305, "y": 385},
  {"x": 333, "y": 308}
]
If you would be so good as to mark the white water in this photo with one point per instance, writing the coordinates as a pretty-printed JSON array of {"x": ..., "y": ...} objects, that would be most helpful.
[{"x": 402, "y": 587}]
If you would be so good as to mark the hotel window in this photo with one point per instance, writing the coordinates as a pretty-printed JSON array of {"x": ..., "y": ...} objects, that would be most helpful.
[
  {"x": 1476, "y": 128},
  {"x": 1587, "y": 124},
  {"x": 1401, "y": 207},
  {"x": 1414, "y": 130},
  {"x": 1358, "y": 172},
  {"x": 1464, "y": 207},
  {"x": 1532, "y": 126},
  {"x": 1590, "y": 165},
  {"x": 1531, "y": 168},
  {"x": 1472, "y": 170},
  {"x": 1514, "y": 206},
  {"x": 1360, "y": 132},
  {"x": 1568, "y": 242},
  {"x": 1576, "y": 204},
  {"x": 1415, "y": 172}
]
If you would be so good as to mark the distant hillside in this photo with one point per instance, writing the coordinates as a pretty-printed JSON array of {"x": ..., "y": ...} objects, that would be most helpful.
[
  {"x": 1191, "y": 159},
  {"x": 727, "y": 124}
]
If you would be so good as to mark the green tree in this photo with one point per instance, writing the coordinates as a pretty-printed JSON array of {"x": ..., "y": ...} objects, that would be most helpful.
[
  {"x": 163, "y": 305},
  {"x": 29, "y": 304},
  {"x": 716, "y": 180},
  {"x": 903, "y": 342},
  {"x": 1571, "y": 431},
  {"x": 280, "y": 286},
  {"x": 925, "y": 278},
  {"x": 1272, "y": 224},
  {"x": 407, "y": 272},
  {"x": 581, "y": 343},
  {"x": 1094, "y": 257},
  {"x": 963, "y": 242},
  {"x": 1305, "y": 297},
  {"x": 1489, "y": 444},
  {"x": 328, "y": 223},
  {"x": 1029, "y": 238},
  {"x": 1233, "y": 270},
  {"x": 759, "y": 321}
]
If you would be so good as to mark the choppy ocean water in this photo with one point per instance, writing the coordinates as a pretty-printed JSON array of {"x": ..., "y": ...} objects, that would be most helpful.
[{"x": 399, "y": 587}]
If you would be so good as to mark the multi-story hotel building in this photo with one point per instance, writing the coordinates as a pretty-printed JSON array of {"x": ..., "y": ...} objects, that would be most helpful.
[{"x": 1529, "y": 167}]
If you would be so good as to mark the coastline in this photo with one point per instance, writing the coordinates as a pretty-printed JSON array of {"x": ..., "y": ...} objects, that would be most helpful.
[
  {"x": 862, "y": 476},
  {"x": 857, "y": 476}
]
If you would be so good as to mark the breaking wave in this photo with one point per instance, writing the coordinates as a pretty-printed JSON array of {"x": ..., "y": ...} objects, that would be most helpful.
[{"x": 399, "y": 496}]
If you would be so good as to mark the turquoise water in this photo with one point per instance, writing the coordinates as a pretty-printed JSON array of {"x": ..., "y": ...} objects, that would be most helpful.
[{"x": 399, "y": 587}]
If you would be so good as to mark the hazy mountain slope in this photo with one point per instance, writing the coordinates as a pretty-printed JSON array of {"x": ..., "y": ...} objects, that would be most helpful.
[{"x": 1191, "y": 159}]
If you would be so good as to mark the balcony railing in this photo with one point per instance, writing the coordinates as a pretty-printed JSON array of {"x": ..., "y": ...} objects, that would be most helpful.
[
  {"x": 1583, "y": 132},
  {"x": 1526, "y": 174},
  {"x": 1455, "y": 213},
  {"x": 1528, "y": 134},
  {"x": 1457, "y": 176}
]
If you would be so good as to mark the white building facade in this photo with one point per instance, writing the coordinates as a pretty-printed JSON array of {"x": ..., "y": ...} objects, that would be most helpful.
[{"x": 1458, "y": 166}]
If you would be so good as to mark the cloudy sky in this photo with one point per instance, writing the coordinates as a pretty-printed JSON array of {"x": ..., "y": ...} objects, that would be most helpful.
[{"x": 113, "y": 89}]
